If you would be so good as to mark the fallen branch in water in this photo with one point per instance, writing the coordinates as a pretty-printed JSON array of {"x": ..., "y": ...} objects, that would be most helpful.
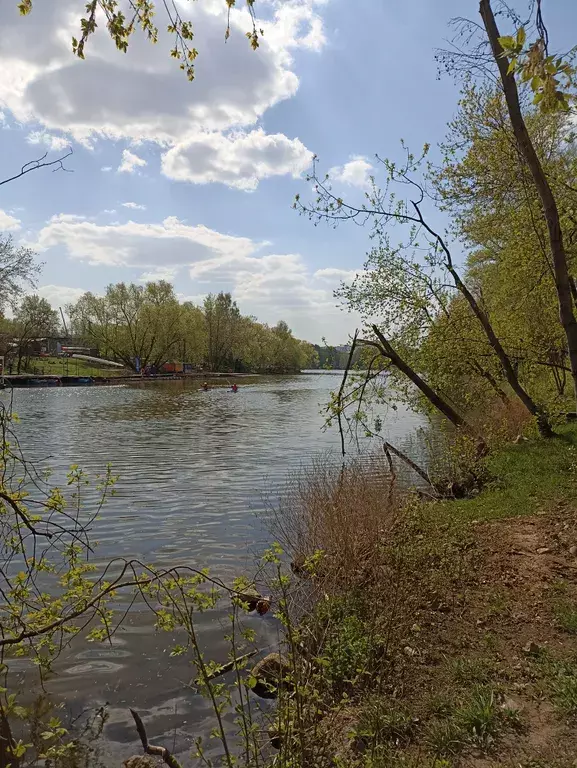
[
  {"x": 403, "y": 456},
  {"x": 151, "y": 749},
  {"x": 393, "y": 474}
]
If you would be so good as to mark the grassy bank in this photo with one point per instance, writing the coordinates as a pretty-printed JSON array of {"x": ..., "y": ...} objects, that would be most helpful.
[
  {"x": 62, "y": 366},
  {"x": 443, "y": 633}
]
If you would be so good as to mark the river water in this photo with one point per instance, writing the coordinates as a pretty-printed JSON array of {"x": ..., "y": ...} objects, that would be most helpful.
[{"x": 193, "y": 468}]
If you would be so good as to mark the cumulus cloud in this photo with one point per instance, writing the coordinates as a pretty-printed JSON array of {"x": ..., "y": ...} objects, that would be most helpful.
[
  {"x": 147, "y": 97},
  {"x": 8, "y": 222},
  {"x": 106, "y": 168},
  {"x": 356, "y": 172},
  {"x": 130, "y": 162},
  {"x": 335, "y": 275},
  {"x": 134, "y": 206},
  {"x": 55, "y": 143},
  {"x": 59, "y": 295},
  {"x": 296, "y": 25},
  {"x": 171, "y": 242},
  {"x": 160, "y": 273},
  {"x": 270, "y": 285},
  {"x": 238, "y": 160}
]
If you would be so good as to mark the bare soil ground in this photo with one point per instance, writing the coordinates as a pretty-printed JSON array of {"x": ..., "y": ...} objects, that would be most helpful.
[{"x": 508, "y": 630}]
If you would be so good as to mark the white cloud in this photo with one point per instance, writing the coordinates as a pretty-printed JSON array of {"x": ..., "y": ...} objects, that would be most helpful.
[
  {"x": 109, "y": 211},
  {"x": 238, "y": 160},
  {"x": 54, "y": 143},
  {"x": 106, "y": 168},
  {"x": 60, "y": 295},
  {"x": 68, "y": 218},
  {"x": 130, "y": 162},
  {"x": 270, "y": 286},
  {"x": 356, "y": 172},
  {"x": 282, "y": 287},
  {"x": 170, "y": 243},
  {"x": 134, "y": 206},
  {"x": 296, "y": 25},
  {"x": 197, "y": 299},
  {"x": 334, "y": 275},
  {"x": 143, "y": 95},
  {"x": 160, "y": 273},
  {"x": 8, "y": 222},
  {"x": 146, "y": 96}
]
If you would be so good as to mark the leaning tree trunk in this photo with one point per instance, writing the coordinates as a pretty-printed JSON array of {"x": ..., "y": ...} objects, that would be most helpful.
[
  {"x": 510, "y": 373},
  {"x": 548, "y": 202},
  {"x": 433, "y": 397},
  {"x": 492, "y": 381}
]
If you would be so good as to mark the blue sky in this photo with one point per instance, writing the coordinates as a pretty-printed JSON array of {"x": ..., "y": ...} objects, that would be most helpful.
[{"x": 193, "y": 182}]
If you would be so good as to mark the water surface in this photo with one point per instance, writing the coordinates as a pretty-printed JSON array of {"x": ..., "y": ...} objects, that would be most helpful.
[{"x": 193, "y": 469}]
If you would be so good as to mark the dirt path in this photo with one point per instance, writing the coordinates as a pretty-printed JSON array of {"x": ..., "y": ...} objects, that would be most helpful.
[{"x": 521, "y": 619}]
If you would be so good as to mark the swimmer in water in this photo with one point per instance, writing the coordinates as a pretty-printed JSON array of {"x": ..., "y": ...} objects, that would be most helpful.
[
  {"x": 205, "y": 386},
  {"x": 235, "y": 388}
]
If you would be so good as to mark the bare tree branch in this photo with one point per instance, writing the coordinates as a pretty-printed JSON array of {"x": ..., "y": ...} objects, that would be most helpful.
[
  {"x": 35, "y": 165},
  {"x": 341, "y": 390},
  {"x": 403, "y": 456},
  {"x": 151, "y": 749}
]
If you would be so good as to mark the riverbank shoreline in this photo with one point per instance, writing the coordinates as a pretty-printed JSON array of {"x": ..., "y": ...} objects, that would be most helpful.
[
  {"x": 458, "y": 646},
  {"x": 26, "y": 380},
  {"x": 55, "y": 380}
]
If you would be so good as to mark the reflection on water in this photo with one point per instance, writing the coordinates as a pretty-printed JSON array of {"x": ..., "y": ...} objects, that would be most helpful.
[{"x": 193, "y": 467}]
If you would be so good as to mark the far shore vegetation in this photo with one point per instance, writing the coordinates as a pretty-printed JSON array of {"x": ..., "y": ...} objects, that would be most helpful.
[
  {"x": 427, "y": 608},
  {"x": 146, "y": 328}
]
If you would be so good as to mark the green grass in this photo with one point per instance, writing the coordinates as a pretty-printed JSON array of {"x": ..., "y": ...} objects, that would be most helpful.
[
  {"x": 479, "y": 721},
  {"x": 381, "y": 722},
  {"x": 62, "y": 366},
  {"x": 467, "y": 671},
  {"x": 451, "y": 700},
  {"x": 525, "y": 478},
  {"x": 561, "y": 677},
  {"x": 566, "y": 615}
]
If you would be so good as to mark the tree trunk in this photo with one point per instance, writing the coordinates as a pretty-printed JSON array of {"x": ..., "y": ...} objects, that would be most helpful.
[
  {"x": 510, "y": 373},
  {"x": 435, "y": 399},
  {"x": 501, "y": 394},
  {"x": 548, "y": 202}
]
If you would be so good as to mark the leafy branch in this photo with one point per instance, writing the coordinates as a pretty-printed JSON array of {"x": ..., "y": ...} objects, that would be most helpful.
[{"x": 121, "y": 27}]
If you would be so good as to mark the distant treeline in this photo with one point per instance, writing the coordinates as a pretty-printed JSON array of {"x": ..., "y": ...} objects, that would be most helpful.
[
  {"x": 146, "y": 326},
  {"x": 150, "y": 325},
  {"x": 334, "y": 358}
]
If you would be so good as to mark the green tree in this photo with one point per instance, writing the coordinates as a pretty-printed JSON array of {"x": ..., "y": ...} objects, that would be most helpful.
[
  {"x": 34, "y": 319},
  {"x": 487, "y": 188},
  {"x": 18, "y": 270},
  {"x": 551, "y": 77},
  {"x": 287, "y": 354},
  {"x": 132, "y": 322},
  {"x": 193, "y": 334},
  {"x": 413, "y": 265},
  {"x": 547, "y": 197},
  {"x": 223, "y": 329}
]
